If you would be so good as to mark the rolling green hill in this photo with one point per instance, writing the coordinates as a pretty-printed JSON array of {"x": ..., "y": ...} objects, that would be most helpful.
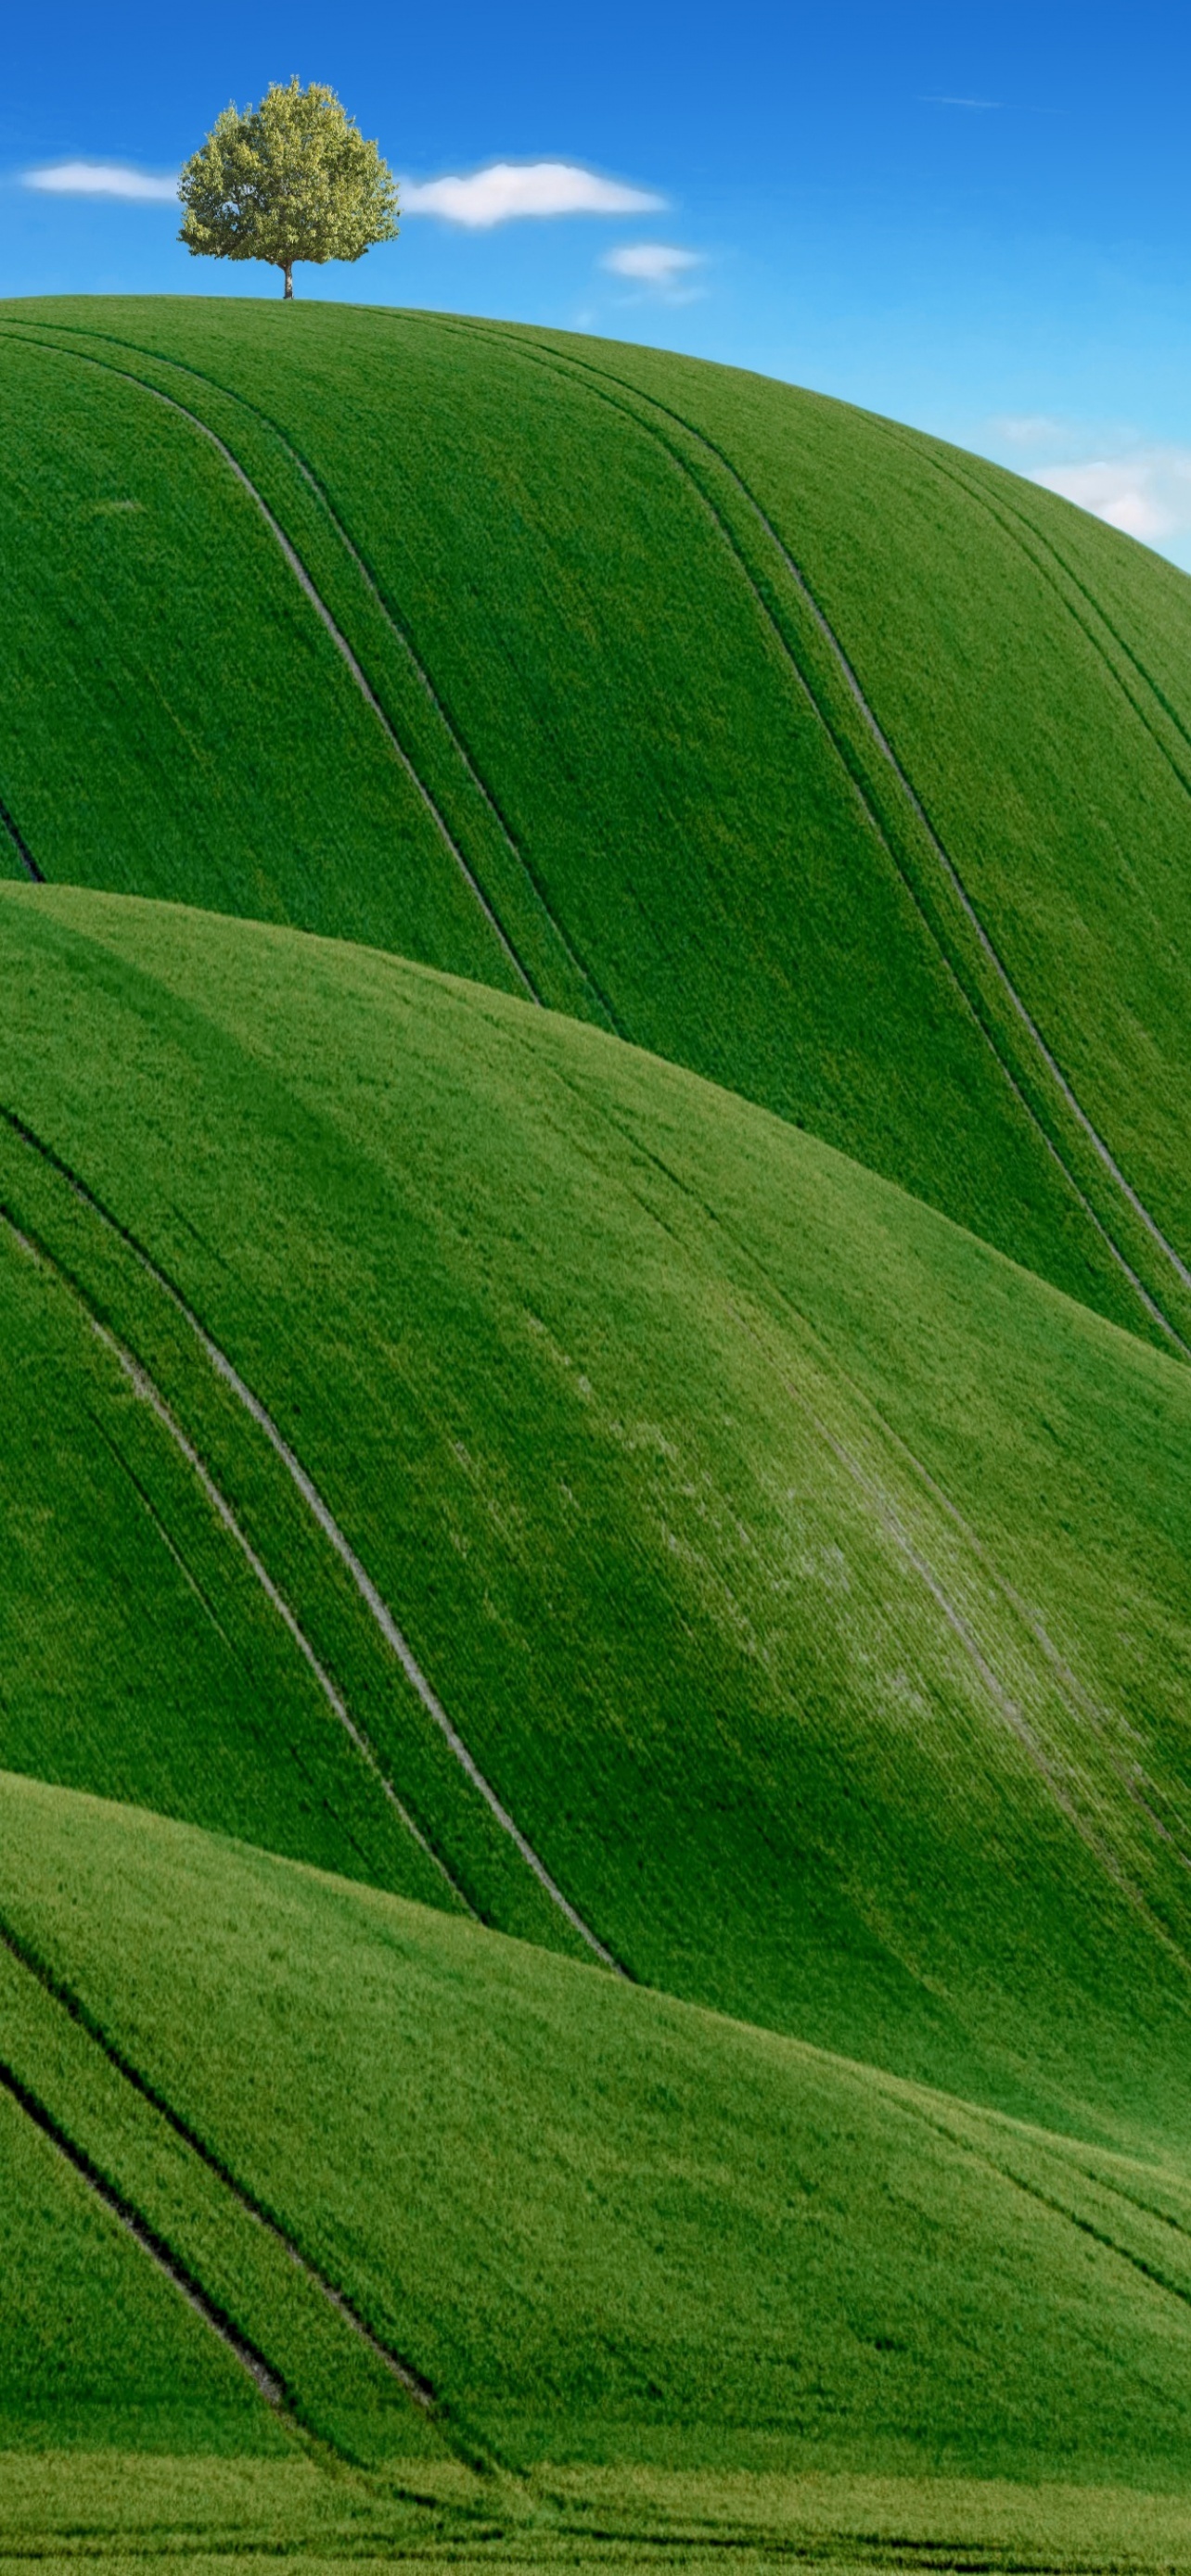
[
  {"x": 594, "y": 2223},
  {"x": 595, "y": 1791},
  {"x": 843, "y": 769},
  {"x": 805, "y": 1580}
]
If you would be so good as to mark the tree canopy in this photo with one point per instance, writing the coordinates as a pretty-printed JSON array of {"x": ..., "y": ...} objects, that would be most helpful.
[{"x": 291, "y": 179}]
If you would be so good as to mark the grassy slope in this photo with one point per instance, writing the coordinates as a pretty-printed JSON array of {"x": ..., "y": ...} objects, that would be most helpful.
[
  {"x": 643, "y": 724},
  {"x": 662, "y": 1474},
  {"x": 97, "y": 2349},
  {"x": 1029, "y": 667},
  {"x": 174, "y": 714},
  {"x": 137, "y": 1649},
  {"x": 607, "y": 1376},
  {"x": 606, "y": 2226}
]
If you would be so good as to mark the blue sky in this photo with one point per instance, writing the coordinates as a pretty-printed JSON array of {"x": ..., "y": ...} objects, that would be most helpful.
[{"x": 975, "y": 218}]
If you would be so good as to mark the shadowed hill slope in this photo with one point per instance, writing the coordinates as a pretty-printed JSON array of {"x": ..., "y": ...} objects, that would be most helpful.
[
  {"x": 798, "y": 748},
  {"x": 785, "y": 1595}
]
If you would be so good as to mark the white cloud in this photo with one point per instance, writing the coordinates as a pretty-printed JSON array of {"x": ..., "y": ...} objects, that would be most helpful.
[
  {"x": 652, "y": 263},
  {"x": 1147, "y": 492},
  {"x": 510, "y": 188},
  {"x": 100, "y": 179}
]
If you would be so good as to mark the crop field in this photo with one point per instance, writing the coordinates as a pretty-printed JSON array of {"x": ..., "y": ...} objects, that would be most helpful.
[
  {"x": 480, "y": 2145},
  {"x": 639, "y": 1408},
  {"x": 594, "y": 638},
  {"x": 595, "y": 1469}
]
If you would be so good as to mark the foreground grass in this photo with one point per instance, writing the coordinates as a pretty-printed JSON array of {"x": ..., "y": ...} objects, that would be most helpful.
[
  {"x": 603, "y": 2226},
  {"x": 807, "y": 1581},
  {"x": 129, "y": 2511}
]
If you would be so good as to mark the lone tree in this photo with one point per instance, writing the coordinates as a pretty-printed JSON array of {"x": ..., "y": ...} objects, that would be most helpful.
[{"x": 290, "y": 179}]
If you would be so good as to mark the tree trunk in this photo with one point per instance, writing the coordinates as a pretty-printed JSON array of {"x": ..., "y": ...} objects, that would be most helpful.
[{"x": 288, "y": 266}]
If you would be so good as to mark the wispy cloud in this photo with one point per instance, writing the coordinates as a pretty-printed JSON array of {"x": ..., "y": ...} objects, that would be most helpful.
[
  {"x": 1146, "y": 493},
  {"x": 1031, "y": 429},
  {"x": 958, "y": 102},
  {"x": 660, "y": 267},
  {"x": 101, "y": 179},
  {"x": 507, "y": 189}
]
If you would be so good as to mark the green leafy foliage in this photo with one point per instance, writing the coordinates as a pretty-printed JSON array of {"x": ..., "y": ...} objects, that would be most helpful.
[{"x": 289, "y": 180}]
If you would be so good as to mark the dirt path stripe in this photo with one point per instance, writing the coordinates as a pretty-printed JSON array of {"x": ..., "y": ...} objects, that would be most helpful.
[
  {"x": 320, "y": 1511},
  {"x": 142, "y": 1384},
  {"x": 82, "y": 358}
]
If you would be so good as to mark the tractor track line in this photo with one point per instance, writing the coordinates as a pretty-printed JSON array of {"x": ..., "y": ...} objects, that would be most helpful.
[
  {"x": 20, "y": 845},
  {"x": 272, "y": 2389},
  {"x": 81, "y": 358},
  {"x": 412, "y": 2381},
  {"x": 1034, "y": 2191},
  {"x": 1022, "y": 533},
  {"x": 396, "y": 628},
  {"x": 945, "y": 861},
  {"x": 143, "y": 1386},
  {"x": 597, "y": 379},
  {"x": 321, "y": 1512}
]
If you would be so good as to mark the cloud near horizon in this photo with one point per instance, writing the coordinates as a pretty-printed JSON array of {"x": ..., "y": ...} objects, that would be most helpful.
[
  {"x": 102, "y": 179},
  {"x": 506, "y": 190},
  {"x": 1146, "y": 493}
]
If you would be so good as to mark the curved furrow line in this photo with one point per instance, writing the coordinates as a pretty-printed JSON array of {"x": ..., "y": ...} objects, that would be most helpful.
[
  {"x": 320, "y": 1511},
  {"x": 81, "y": 358},
  {"x": 415, "y": 2385},
  {"x": 143, "y": 1386},
  {"x": 9, "y": 825},
  {"x": 955, "y": 882},
  {"x": 1022, "y": 532},
  {"x": 983, "y": 2155},
  {"x": 181, "y": 2278},
  {"x": 596, "y": 379},
  {"x": 392, "y": 621}
]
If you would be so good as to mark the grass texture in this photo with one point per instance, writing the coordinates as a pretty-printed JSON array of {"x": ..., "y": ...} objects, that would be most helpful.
[
  {"x": 806, "y": 1580},
  {"x": 604, "y": 2226},
  {"x": 582, "y": 582},
  {"x": 595, "y": 1956}
]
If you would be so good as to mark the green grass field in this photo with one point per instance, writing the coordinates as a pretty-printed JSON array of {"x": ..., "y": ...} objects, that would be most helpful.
[
  {"x": 581, "y": 624},
  {"x": 595, "y": 1806}
]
